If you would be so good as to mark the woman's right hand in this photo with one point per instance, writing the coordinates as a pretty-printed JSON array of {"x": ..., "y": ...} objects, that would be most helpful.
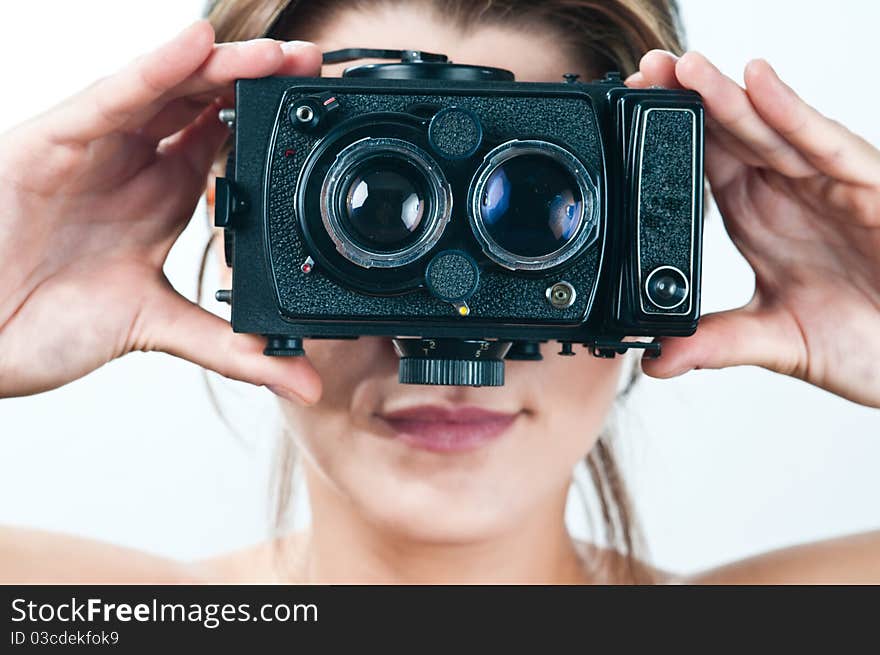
[{"x": 93, "y": 195}]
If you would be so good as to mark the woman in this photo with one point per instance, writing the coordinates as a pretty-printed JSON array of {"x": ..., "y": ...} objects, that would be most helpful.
[{"x": 81, "y": 229}]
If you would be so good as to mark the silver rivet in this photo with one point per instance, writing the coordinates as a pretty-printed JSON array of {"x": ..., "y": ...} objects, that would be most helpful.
[
  {"x": 304, "y": 114},
  {"x": 227, "y": 116},
  {"x": 561, "y": 295}
]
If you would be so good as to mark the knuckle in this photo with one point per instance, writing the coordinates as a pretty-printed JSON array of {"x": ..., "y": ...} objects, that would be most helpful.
[
  {"x": 34, "y": 163},
  {"x": 794, "y": 123},
  {"x": 106, "y": 108},
  {"x": 829, "y": 156},
  {"x": 149, "y": 76},
  {"x": 864, "y": 203},
  {"x": 62, "y": 163}
]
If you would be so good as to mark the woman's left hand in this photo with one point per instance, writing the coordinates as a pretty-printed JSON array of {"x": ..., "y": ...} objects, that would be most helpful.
[{"x": 800, "y": 198}]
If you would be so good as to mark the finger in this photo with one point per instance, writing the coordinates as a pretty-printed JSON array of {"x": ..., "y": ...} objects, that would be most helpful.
[
  {"x": 636, "y": 81},
  {"x": 737, "y": 337},
  {"x": 725, "y": 159},
  {"x": 250, "y": 59},
  {"x": 181, "y": 328},
  {"x": 199, "y": 142},
  {"x": 115, "y": 101},
  {"x": 228, "y": 62},
  {"x": 301, "y": 59},
  {"x": 829, "y": 146},
  {"x": 724, "y": 155},
  {"x": 173, "y": 117},
  {"x": 731, "y": 107},
  {"x": 657, "y": 68}
]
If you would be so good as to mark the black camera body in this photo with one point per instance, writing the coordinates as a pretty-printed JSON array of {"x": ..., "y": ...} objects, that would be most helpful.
[{"x": 467, "y": 215}]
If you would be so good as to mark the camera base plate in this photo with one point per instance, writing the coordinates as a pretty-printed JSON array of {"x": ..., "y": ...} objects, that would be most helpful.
[{"x": 609, "y": 348}]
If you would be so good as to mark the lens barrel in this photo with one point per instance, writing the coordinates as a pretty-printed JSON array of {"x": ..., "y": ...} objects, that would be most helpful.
[
  {"x": 532, "y": 205},
  {"x": 384, "y": 202}
]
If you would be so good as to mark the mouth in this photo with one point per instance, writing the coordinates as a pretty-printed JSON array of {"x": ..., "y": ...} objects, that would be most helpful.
[{"x": 448, "y": 430}]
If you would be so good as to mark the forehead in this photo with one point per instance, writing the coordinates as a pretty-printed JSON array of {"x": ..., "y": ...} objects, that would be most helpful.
[{"x": 533, "y": 55}]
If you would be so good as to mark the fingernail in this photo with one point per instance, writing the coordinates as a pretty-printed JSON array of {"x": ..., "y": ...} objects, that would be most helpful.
[
  {"x": 769, "y": 68},
  {"x": 660, "y": 52},
  {"x": 292, "y": 47},
  {"x": 755, "y": 62},
  {"x": 635, "y": 78},
  {"x": 690, "y": 59},
  {"x": 288, "y": 394}
]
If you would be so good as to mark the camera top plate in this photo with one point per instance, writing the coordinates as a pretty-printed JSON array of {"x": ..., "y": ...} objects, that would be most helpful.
[{"x": 414, "y": 65}]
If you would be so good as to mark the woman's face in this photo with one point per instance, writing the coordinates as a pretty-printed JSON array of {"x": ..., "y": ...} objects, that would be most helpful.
[{"x": 448, "y": 464}]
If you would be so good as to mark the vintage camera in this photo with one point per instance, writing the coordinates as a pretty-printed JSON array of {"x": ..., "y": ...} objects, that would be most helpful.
[{"x": 468, "y": 216}]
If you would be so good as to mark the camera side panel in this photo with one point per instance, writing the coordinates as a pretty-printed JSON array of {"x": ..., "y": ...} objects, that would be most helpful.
[{"x": 661, "y": 133}]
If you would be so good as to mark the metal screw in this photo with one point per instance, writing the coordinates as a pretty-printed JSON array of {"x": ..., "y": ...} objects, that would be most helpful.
[
  {"x": 561, "y": 295},
  {"x": 227, "y": 116},
  {"x": 304, "y": 114}
]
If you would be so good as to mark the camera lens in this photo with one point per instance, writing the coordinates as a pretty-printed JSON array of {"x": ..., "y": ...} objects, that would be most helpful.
[
  {"x": 384, "y": 202},
  {"x": 667, "y": 287},
  {"x": 532, "y": 205}
]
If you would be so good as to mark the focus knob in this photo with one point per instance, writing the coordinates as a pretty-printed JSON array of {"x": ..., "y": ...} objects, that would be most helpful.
[
  {"x": 459, "y": 372},
  {"x": 471, "y": 363}
]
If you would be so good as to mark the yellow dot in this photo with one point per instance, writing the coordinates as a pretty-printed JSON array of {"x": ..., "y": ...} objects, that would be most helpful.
[{"x": 463, "y": 310}]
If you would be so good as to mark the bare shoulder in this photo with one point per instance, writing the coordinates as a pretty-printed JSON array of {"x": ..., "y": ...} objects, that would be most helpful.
[
  {"x": 31, "y": 556},
  {"x": 39, "y": 556},
  {"x": 852, "y": 559},
  {"x": 269, "y": 562}
]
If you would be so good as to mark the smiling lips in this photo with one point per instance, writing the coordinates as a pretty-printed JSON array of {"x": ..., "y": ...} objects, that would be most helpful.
[{"x": 445, "y": 430}]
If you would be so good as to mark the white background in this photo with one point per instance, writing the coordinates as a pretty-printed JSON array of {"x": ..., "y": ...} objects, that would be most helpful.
[{"x": 722, "y": 464}]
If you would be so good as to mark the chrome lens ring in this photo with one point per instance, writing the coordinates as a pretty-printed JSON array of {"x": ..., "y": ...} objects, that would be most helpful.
[
  {"x": 589, "y": 206},
  {"x": 336, "y": 184}
]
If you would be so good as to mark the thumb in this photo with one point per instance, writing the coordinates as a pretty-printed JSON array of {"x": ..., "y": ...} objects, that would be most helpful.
[
  {"x": 183, "y": 329},
  {"x": 745, "y": 336}
]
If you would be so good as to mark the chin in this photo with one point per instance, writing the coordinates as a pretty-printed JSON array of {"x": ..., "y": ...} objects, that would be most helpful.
[
  {"x": 434, "y": 511},
  {"x": 432, "y": 516},
  {"x": 419, "y": 494}
]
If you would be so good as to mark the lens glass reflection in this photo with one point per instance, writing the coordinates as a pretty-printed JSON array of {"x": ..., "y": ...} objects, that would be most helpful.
[
  {"x": 385, "y": 204},
  {"x": 531, "y": 205}
]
